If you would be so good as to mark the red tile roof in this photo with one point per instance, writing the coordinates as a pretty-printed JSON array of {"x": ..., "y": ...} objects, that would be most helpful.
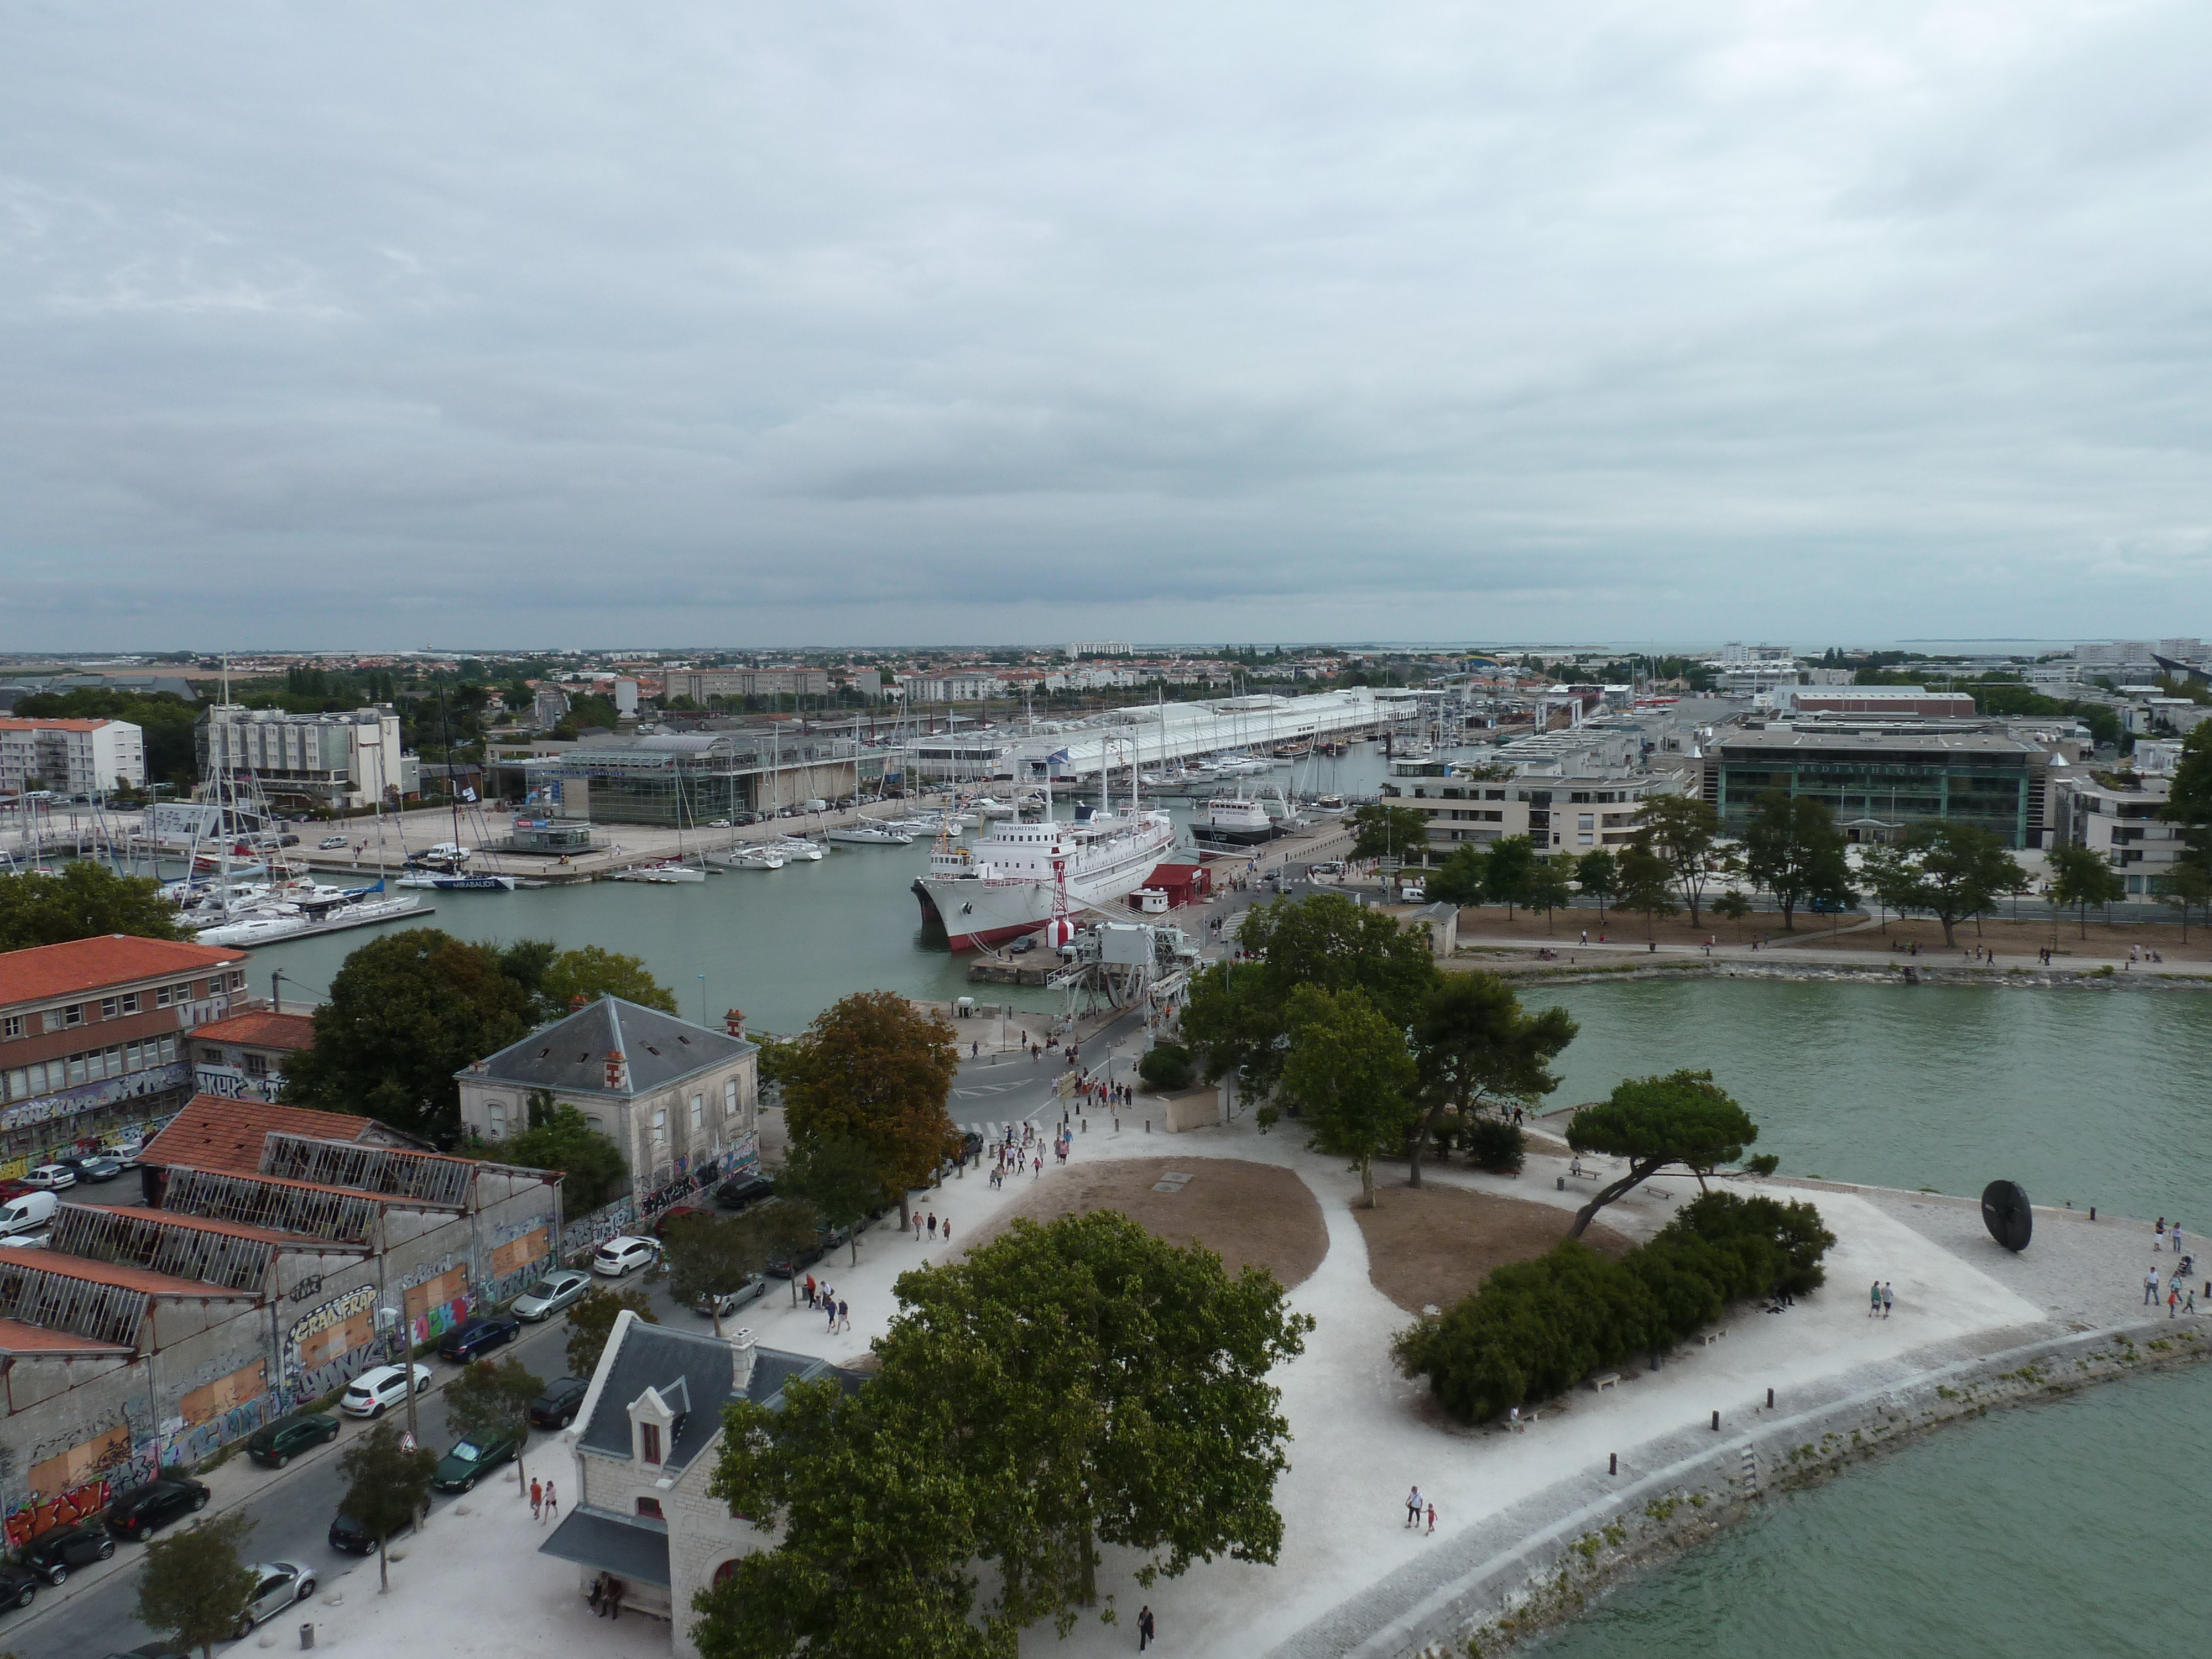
[
  {"x": 45, "y": 972},
  {"x": 224, "y": 1136},
  {"x": 259, "y": 1029},
  {"x": 128, "y": 1278},
  {"x": 14, "y": 723},
  {"x": 16, "y": 1337}
]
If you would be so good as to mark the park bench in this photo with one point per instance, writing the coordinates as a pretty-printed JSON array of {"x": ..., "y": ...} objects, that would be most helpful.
[{"x": 1610, "y": 1380}]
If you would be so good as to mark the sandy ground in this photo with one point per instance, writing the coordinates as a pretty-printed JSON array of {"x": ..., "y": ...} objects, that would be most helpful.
[
  {"x": 1431, "y": 1245},
  {"x": 1255, "y": 1215}
]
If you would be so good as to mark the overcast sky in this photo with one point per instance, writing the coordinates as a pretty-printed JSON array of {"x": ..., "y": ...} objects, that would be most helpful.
[{"x": 377, "y": 325}]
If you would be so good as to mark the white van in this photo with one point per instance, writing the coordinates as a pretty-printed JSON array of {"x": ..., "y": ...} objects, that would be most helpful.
[{"x": 27, "y": 1212}]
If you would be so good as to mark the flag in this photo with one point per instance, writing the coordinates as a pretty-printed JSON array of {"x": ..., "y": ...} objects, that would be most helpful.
[
  {"x": 1057, "y": 759},
  {"x": 469, "y": 795}
]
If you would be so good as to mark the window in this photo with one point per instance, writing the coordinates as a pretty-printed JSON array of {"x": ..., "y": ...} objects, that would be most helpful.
[
  {"x": 169, "y": 1050},
  {"x": 730, "y": 1098},
  {"x": 238, "y": 980},
  {"x": 661, "y": 1125},
  {"x": 210, "y": 1056},
  {"x": 650, "y": 1505},
  {"x": 11, "y": 1027},
  {"x": 698, "y": 1111},
  {"x": 498, "y": 1110},
  {"x": 257, "y": 1066},
  {"x": 648, "y": 1442},
  {"x": 1585, "y": 821}
]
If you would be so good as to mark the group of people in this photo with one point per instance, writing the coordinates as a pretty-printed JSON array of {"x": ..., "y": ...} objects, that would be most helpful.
[
  {"x": 1880, "y": 1300},
  {"x": 930, "y": 1223},
  {"x": 606, "y": 1596},
  {"x": 823, "y": 1300},
  {"x": 2181, "y": 1294},
  {"x": 544, "y": 1502},
  {"x": 1014, "y": 1153},
  {"x": 1415, "y": 1504}
]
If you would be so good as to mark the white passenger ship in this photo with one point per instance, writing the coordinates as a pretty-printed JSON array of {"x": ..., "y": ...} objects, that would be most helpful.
[{"x": 1002, "y": 883}]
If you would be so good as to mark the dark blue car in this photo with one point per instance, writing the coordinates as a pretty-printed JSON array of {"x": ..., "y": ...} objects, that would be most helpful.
[{"x": 465, "y": 1342}]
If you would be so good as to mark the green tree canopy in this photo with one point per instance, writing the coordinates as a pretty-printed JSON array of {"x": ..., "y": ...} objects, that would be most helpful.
[
  {"x": 1381, "y": 831},
  {"x": 385, "y": 1486},
  {"x": 1475, "y": 1047},
  {"x": 1683, "y": 833},
  {"x": 1509, "y": 872},
  {"x": 711, "y": 1256},
  {"x": 838, "y": 1175},
  {"x": 84, "y": 900},
  {"x": 1348, "y": 1071},
  {"x": 592, "y": 1320},
  {"x": 2186, "y": 883},
  {"x": 1238, "y": 1012},
  {"x": 1549, "y": 885},
  {"x": 2080, "y": 878},
  {"x": 1062, "y": 1388},
  {"x": 1683, "y": 1118},
  {"x": 165, "y": 723},
  {"x": 1794, "y": 850},
  {"x": 874, "y": 1068},
  {"x": 1949, "y": 870},
  {"x": 1646, "y": 883},
  {"x": 493, "y": 1396},
  {"x": 558, "y": 1136},
  {"x": 592, "y": 972},
  {"x": 194, "y": 1588},
  {"x": 1597, "y": 872},
  {"x": 1460, "y": 879},
  {"x": 406, "y": 1013}
]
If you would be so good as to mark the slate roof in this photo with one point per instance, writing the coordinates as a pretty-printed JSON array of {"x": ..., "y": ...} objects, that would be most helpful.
[
  {"x": 632, "y": 1547},
  {"x": 570, "y": 1055},
  {"x": 692, "y": 1374}
]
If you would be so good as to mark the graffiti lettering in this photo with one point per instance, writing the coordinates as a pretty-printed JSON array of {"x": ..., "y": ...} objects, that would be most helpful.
[{"x": 308, "y": 1287}]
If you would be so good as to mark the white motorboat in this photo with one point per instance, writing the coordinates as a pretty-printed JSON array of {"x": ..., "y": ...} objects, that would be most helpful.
[
  {"x": 870, "y": 832},
  {"x": 1235, "y": 821},
  {"x": 799, "y": 850},
  {"x": 668, "y": 873},
  {"x": 748, "y": 858}
]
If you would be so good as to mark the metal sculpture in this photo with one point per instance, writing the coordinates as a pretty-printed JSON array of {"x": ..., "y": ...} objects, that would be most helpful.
[{"x": 2007, "y": 1214}]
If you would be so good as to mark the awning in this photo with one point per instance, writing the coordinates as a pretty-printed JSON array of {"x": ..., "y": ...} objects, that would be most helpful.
[{"x": 612, "y": 1543}]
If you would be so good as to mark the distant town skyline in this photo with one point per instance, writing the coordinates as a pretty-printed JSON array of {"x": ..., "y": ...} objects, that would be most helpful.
[{"x": 353, "y": 329}]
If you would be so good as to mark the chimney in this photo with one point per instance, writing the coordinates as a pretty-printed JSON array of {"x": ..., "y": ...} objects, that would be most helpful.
[
  {"x": 578, "y": 1003},
  {"x": 617, "y": 1071},
  {"x": 733, "y": 1022},
  {"x": 741, "y": 1360}
]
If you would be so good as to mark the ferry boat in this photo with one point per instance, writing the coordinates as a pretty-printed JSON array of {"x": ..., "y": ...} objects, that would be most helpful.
[
  {"x": 1003, "y": 883},
  {"x": 1237, "y": 822}
]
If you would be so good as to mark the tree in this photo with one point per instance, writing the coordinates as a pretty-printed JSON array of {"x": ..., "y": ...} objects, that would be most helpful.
[
  {"x": 1167, "y": 1067},
  {"x": 592, "y": 972},
  {"x": 1646, "y": 884},
  {"x": 708, "y": 1256},
  {"x": 592, "y": 1320},
  {"x": 405, "y": 1013},
  {"x": 1794, "y": 850},
  {"x": 559, "y": 1137},
  {"x": 2186, "y": 882},
  {"x": 84, "y": 900},
  {"x": 1682, "y": 1118},
  {"x": 785, "y": 1226},
  {"x": 385, "y": 1486},
  {"x": 1348, "y": 1070},
  {"x": 836, "y": 1174},
  {"x": 493, "y": 1396},
  {"x": 2190, "y": 800},
  {"x": 195, "y": 1587},
  {"x": 1381, "y": 831},
  {"x": 1474, "y": 1047},
  {"x": 875, "y": 1068},
  {"x": 2080, "y": 878},
  {"x": 165, "y": 721},
  {"x": 1598, "y": 874},
  {"x": 1951, "y": 870},
  {"x": 1683, "y": 833},
  {"x": 1459, "y": 880},
  {"x": 1238, "y": 1012},
  {"x": 1509, "y": 871},
  {"x": 1547, "y": 887},
  {"x": 1077, "y": 1384},
  {"x": 1732, "y": 907}
]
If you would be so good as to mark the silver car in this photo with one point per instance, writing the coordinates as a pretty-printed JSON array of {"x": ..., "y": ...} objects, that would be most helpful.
[
  {"x": 721, "y": 1306},
  {"x": 550, "y": 1294},
  {"x": 276, "y": 1586}
]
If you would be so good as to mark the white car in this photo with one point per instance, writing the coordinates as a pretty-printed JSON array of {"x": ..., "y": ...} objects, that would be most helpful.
[
  {"x": 377, "y": 1390},
  {"x": 550, "y": 1294},
  {"x": 328, "y": 843},
  {"x": 624, "y": 1253},
  {"x": 276, "y": 1586},
  {"x": 52, "y": 1177}
]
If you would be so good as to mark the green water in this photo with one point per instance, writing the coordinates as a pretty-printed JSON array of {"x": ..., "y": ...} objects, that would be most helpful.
[{"x": 2052, "y": 1530}]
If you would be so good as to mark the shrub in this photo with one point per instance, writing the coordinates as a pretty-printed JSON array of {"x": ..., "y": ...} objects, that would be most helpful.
[
  {"x": 1534, "y": 1329},
  {"x": 1495, "y": 1144},
  {"x": 1167, "y": 1067}
]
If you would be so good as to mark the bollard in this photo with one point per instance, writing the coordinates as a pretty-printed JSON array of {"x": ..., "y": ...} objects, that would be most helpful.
[
  {"x": 2093, "y": 1212},
  {"x": 1612, "y": 1463},
  {"x": 1769, "y": 1400},
  {"x": 1148, "y": 1126},
  {"x": 307, "y": 1637},
  {"x": 1563, "y": 1184},
  {"x": 1716, "y": 1422}
]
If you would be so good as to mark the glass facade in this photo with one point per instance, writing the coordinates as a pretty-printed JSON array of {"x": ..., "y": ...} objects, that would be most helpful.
[{"x": 1878, "y": 792}]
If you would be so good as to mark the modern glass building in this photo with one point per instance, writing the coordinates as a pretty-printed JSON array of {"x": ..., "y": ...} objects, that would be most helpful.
[
  {"x": 1880, "y": 785},
  {"x": 681, "y": 779}
]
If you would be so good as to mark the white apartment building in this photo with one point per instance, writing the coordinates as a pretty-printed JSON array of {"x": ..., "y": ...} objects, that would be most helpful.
[
  {"x": 329, "y": 761},
  {"x": 1561, "y": 812},
  {"x": 2119, "y": 819},
  {"x": 964, "y": 685},
  {"x": 72, "y": 757}
]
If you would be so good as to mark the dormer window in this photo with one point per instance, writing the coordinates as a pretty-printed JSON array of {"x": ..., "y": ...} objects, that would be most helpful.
[{"x": 648, "y": 1442}]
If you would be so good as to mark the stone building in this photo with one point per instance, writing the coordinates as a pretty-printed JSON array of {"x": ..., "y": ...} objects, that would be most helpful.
[
  {"x": 244, "y": 1055},
  {"x": 682, "y": 1101},
  {"x": 644, "y": 1447},
  {"x": 282, "y": 1253}
]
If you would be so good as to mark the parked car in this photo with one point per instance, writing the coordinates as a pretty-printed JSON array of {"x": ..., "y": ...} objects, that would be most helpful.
[
  {"x": 50, "y": 1177},
  {"x": 742, "y": 1192},
  {"x": 783, "y": 1264},
  {"x": 92, "y": 1167},
  {"x": 19, "y": 1586},
  {"x": 674, "y": 1213},
  {"x": 465, "y": 1342},
  {"x": 718, "y": 824},
  {"x": 728, "y": 1302},
  {"x": 624, "y": 1253},
  {"x": 1021, "y": 946},
  {"x": 557, "y": 1406},
  {"x": 147, "y": 1508},
  {"x": 380, "y": 1388},
  {"x": 349, "y": 1537},
  {"x": 27, "y": 1212},
  {"x": 73, "y": 1544},
  {"x": 278, "y": 1444},
  {"x": 550, "y": 1294},
  {"x": 330, "y": 843},
  {"x": 276, "y": 1586},
  {"x": 25, "y": 1240},
  {"x": 460, "y": 1469}
]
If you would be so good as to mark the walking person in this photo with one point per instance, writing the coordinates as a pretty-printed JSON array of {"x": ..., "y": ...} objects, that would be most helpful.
[
  {"x": 1145, "y": 1633},
  {"x": 1432, "y": 1517},
  {"x": 844, "y": 1314},
  {"x": 552, "y": 1503},
  {"x": 2150, "y": 1288},
  {"x": 1888, "y": 1298},
  {"x": 536, "y": 1499},
  {"x": 1873, "y": 1309},
  {"x": 1413, "y": 1507}
]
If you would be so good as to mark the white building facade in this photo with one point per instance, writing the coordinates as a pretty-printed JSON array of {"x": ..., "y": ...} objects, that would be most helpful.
[
  {"x": 71, "y": 757},
  {"x": 330, "y": 761}
]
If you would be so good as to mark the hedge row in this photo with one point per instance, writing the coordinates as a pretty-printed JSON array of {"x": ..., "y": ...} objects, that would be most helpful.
[{"x": 1536, "y": 1328}]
